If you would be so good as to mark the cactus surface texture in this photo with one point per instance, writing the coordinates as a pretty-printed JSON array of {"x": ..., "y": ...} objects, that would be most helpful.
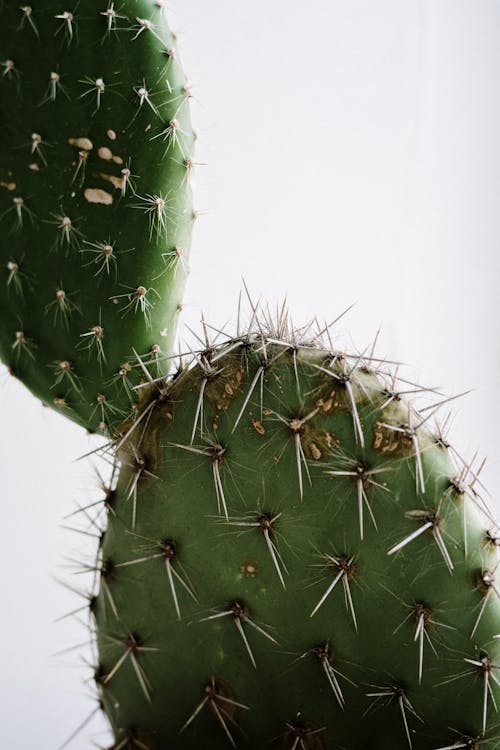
[
  {"x": 95, "y": 201},
  {"x": 294, "y": 559}
]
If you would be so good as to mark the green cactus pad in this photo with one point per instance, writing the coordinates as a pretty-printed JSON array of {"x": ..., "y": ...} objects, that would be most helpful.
[
  {"x": 95, "y": 199},
  {"x": 294, "y": 559}
]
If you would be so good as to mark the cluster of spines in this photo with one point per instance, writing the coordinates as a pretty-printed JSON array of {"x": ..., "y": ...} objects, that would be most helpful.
[{"x": 338, "y": 569}]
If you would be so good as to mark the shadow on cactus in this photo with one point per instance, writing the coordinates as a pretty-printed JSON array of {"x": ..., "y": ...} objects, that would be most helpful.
[{"x": 294, "y": 555}]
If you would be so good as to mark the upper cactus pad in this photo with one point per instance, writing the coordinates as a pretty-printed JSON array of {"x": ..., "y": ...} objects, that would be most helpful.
[{"x": 95, "y": 200}]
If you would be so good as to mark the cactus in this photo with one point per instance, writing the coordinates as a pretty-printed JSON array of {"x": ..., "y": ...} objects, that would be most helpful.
[
  {"x": 95, "y": 200},
  {"x": 294, "y": 555}
]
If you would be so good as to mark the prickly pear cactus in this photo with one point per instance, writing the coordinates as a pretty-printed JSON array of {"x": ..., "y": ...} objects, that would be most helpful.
[
  {"x": 95, "y": 202},
  {"x": 294, "y": 559}
]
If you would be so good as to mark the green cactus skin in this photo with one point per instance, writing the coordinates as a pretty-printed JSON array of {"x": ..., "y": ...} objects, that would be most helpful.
[
  {"x": 294, "y": 560},
  {"x": 95, "y": 199}
]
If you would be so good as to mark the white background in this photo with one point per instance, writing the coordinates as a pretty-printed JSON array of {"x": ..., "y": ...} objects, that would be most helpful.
[{"x": 353, "y": 155}]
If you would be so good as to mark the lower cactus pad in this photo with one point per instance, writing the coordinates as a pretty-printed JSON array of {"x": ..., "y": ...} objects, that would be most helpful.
[{"x": 294, "y": 559}]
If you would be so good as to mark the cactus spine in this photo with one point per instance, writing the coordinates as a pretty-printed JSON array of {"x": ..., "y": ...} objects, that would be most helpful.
[{"x": 294, "y": 556}]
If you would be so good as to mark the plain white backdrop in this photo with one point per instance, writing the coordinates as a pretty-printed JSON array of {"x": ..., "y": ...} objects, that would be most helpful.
[{"x": 352, "y": 154}]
